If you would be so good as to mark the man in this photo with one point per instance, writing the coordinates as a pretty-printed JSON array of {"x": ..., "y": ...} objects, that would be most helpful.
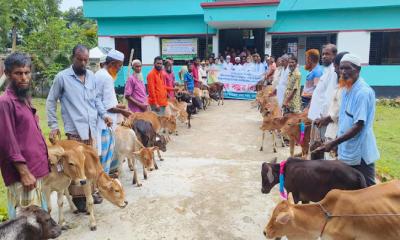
[
  {"x": 322, "y": 93},
  {"x": 258, "y": 66},
  {"x": 326, "y": 84},
  {"x": 266, "y": 62},
  {"x": 196, "y": 66},
  {"x": 135, "y": 90},
  {"x": 189, "y": 79},
  {"x": 105, "y": 87},
  {"x": 283, "y": 78},
  {"x": 156, "y": 88},
  {"x": 23, "y": 151},
  {"x": 356, "y": 140},
  {"x": 169, "y": 79},
  {"x": 202, "y": 73},
  {"x": 271, "y": 70},
  {"x": 332, "y": 118},
  {"x": 277, "y": 73},
  {"x": 292, "y": 102},
  {"x": 237, "y": 66},
  {"x": 75, "y": 87},
  {"x": 312, "y": 65},
  {"x": 227, "y": 65}
]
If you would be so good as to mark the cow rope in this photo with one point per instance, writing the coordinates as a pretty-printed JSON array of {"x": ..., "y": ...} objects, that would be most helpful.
[{"x": 329, "y": 216}]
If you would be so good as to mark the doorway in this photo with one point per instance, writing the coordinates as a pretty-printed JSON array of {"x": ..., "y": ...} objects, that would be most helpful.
[{"x": 240, "y": 39}]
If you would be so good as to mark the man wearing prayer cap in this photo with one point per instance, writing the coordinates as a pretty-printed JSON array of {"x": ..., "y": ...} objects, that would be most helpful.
[
  {"x": 356, "y": 140},
  {"x": 105, "y": 88}
]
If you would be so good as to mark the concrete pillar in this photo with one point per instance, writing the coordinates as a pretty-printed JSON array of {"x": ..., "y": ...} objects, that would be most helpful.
[
  {"x": 215, "y": 44},
  {"x": 106, "y": 42},
  {"x": 268, "y": 44},
  {"x": 150, "y": 49},
  {"x": 301, "y": 50},
  {"x": 357, "y": 43}
]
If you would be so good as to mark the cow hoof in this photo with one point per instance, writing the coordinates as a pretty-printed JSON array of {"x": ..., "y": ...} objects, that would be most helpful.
[
  {"x": 76, "y": 211},
  {"x": 261, "y": 149},
  {"x": 275, "y": 150},
  {"x": 131, "y": 169},
  {"x": 93, "y": 228},
  {"x": 133, "y": 182},
  {"x": 161, "y": 159},
  {"x": 145, "y": 177},
  {"x": 139, "y": 185}
]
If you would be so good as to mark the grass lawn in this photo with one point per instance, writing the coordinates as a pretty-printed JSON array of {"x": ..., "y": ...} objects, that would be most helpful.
[{"x": 387, "y": 131}]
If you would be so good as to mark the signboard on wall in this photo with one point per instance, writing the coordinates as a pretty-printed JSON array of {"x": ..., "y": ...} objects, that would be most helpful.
[{"x": 179, "y": 49}]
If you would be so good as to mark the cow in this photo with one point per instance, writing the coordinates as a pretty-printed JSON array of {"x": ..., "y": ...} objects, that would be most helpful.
[
  {"x": 149, "y": 138},
  {"x": 192, "y": 104},
  {"x": 31, "y": 223},
  {"x": 149, "y": 116},
  {"x": 205, "y": 98},
  {"x": 177, "y": 109},
  {"x": 216, "y": 91},
  {"x": 128, "y": 147},
  {"x": 311, "y": 180},
  {"x": 110, "y": 189},
  {"x": 366, "y": 214},
  {"x": 289, "y": 125},
  {"x": 271, "y": 113},
  {"x": 66, "y": 166},
  {"x": 168, "y": 124}
]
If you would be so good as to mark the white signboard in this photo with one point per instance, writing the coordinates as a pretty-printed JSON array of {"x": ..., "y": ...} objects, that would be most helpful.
[{"x": 179, "y": 47}]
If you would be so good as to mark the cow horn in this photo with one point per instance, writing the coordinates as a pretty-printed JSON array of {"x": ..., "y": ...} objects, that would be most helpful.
[{"x": 270, "y": 175}]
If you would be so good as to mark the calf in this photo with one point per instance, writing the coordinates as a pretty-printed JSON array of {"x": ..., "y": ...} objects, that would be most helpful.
[
  {"x": 127, "y": 147},
  {"x": 168, "y": 124},
  {"x": 65, "y": 167},
  {"x": 217, "y": 89},
  {"x": 32, "y": 223},
  {"x": 205, "y": 98},
  {"x": 149, "y": 138},
  {"x": 366, "y": 214},
  {"x": 147, "y": 116},
  {"x": 110, "y": 189},
  {"x": 311, "y": 180},
  {"x": 192, "y": 104}
]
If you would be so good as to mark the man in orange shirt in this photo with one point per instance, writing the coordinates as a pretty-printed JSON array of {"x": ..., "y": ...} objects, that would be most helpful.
[{"x": 156, "y": 88}]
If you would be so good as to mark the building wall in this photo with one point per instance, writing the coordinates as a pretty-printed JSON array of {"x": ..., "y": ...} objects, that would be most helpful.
[
  {"x": 106, "y": 42},
  {"x": 186, "y": 25},
  {"x": 150, "y": 49},
  {"x": 357, "y": 43}
]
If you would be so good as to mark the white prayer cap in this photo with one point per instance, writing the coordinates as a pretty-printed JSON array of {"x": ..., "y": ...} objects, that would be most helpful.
[
  {"x": 351, "y": 58},
  {"x": 136, "y": 62},
  {"x": 237, "y": 59},
  {"x": 228, "y": 57},
  {"x": 117, "y": 55}
]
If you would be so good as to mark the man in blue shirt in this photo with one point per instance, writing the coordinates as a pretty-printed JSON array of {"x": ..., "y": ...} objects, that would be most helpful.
[
  {"x": 189, "y": 79},
  {"x": 81, "y": 104},
  {"x": 356, "y": 139}
]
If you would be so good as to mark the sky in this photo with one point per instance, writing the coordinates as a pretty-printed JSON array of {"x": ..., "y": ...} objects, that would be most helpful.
[{"x": 66, "y": 4}]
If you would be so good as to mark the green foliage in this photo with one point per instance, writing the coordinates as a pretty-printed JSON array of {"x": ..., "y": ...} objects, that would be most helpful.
[{"x": 47, "y": 34}]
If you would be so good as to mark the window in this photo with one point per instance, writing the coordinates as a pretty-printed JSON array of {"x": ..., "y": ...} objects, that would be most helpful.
[{"x": 385, "y": 48}]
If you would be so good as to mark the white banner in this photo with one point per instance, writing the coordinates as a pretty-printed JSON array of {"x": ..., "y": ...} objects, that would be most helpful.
[{"x": 179, "y": 46}]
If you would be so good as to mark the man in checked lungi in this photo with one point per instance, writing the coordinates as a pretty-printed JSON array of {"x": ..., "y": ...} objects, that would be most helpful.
[{"x": 23, "y": 150}]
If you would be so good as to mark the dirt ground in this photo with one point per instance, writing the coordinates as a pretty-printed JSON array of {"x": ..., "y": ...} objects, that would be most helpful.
[{"x": 208, "y": 187}]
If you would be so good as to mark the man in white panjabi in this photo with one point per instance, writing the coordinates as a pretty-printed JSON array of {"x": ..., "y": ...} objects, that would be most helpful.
[
  {"x": 283, "y": 79},
  {"x": 323, "y": 92}
]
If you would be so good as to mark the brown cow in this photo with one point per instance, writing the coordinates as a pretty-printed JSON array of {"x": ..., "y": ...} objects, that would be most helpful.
[
  {"x": 110, "y": 189},
  {"x": 366, "y": 214},
  {"x": 168, "y": 124},
  {"x": 65, "y": 167}
]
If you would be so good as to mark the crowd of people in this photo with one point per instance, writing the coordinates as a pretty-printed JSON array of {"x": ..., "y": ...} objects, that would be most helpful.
[{"x": 337, "y": 100}]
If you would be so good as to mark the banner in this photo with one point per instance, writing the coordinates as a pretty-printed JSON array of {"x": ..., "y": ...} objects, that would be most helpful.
[
  {"x": 179, "y": 49},
  {"x": 239, "y": 84}
]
